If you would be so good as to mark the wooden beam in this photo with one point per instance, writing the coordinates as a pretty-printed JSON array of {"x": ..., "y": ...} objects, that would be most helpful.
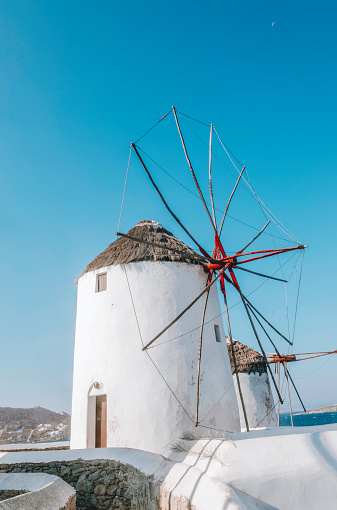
[
  {"x": 195, "y": 256},
  {"x": 254, "y": 238},
  {"x": 210, "y": 175},
  {"x": 273, "y": 327},
  {"x": 229, "y": 200},
  {"x": 191, "y": 169},
  {"x": 184, "y": 311},
  {"x": 261, "y": 274},
  {"x": 290, "y": 408},
  {"x": 234, "y": 363},
  {"x": 297, "y": 393},
  {"x": 262, "y": 350},
  {"x": 196, "y": 420},
  {"x": 165, "y": 203}
]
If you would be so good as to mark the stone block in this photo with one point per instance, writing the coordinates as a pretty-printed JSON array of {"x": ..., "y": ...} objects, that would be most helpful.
[
  {"x": 65, "y": 471},
  {"x": 84, "y": 484},
  {"x": 100, "y": 490},
  {"x": 112, "y": 490},
  {"x": 95, "y": 476},
  {"x": 76, "y": 472}
]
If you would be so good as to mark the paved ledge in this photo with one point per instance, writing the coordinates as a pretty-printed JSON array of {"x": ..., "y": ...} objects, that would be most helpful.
[
  {"x": 41, "y": 491},
  {"x": 20, "y": 447}
]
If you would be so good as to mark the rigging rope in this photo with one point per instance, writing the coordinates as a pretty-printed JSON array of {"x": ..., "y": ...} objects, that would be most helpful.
[
  {"x": 291, "y": 295},
  {"x": 255, "y": 427},
  {"x": 196, "y": 120},
  {"x": 289, "y": 278},
  {"x": 304, "y": 376},
  {"x": 298, "y": 293},
  {"x": 156, "y": 124},
  {"x": 217, "y": 402},
  {"x": 126, "y": 178},
  {"x": 316, "y": 356}
]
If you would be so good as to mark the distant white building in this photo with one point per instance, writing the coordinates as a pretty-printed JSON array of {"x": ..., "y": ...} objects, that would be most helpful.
[
  {"x": 255, "y": 387},
  {"x": 126, "y": 397}
]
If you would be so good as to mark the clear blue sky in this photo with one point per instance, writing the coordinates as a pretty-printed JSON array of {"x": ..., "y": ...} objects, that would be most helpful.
[{"x": 80, "y": 80}]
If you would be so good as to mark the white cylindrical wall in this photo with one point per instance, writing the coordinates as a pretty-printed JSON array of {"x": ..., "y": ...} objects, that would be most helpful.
[
  {"x": 142, "y": 411},
  {"x": 258, "y": 400}
]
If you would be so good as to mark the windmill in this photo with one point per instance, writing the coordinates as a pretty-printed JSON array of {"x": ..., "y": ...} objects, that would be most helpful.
[{"x": 221, "y": 267}]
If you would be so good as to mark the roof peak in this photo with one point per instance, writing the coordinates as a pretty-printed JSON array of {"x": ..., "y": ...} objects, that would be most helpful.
[
  {"x": 126, "y": 251},
  {"x": 149, "y": 222}
]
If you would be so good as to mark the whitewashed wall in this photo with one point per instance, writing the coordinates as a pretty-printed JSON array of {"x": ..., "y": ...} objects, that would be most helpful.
[
  {"x": 142, "y": 412},
  {"x": 258, "y": 399}
]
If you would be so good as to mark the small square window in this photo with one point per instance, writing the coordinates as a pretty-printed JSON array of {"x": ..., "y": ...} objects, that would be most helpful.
[
  {"x": 217, "y": 333},
  {"x": 101, "y": 282}
]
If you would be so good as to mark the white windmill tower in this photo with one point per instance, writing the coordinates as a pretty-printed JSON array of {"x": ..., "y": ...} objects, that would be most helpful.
[
  {"x": 255, "y": 386},
  {"x": 128, "y": 397}
]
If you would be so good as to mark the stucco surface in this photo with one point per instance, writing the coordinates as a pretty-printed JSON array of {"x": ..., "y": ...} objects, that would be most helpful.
[
  {"x": 287, "y": 468},
  {"x": 283, "y": 471},
  {"x": 258, "y": 399},
  {"x": 142, "y": 411}
]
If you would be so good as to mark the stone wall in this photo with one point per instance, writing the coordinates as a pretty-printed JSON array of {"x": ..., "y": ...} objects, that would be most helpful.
[{"x": 99, "y": 484}]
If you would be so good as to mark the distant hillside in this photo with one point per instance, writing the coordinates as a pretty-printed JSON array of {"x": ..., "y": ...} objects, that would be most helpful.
[
  {"x": 34, "y": 425},
  {"x": 329, "y": 409}
]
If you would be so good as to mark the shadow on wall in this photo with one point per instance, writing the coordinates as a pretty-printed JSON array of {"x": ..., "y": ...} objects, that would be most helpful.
[
  {"x": 252, "y": 502},
  {"x": 317, "y": 442},
  {"x": 209, "y": 451}
]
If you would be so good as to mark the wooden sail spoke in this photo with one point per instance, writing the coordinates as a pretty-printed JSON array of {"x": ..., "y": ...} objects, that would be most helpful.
[
  {"x": 297, "y": 393},
  {"x": 265, "y": 332},
  {"x": 287, "y": 379},
  {"x": 234, "y": 359},
  {"x": 269, "y": 324},
  {"x": 185, "y": 310},
  {"x": 269, "y": 253},
  {"x": 261, "y": 274},
  {"x": 165, "y": 203},
  {"x": 279, "y": 358},
  {"x": 278, "y": 385},
  {"x": 196, "y": 420},
  {"x": 229, "y": 200},
  {"x": 254, "y": 238},
  {"x": 262, "y": 350},
  {"x": 210, "y": 176},
  {"x": 192, "y": 171},
  {"x": 165, "y": 247}
]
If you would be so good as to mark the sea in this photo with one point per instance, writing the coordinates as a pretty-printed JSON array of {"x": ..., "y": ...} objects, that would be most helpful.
[{"x": 305, "y": 420}]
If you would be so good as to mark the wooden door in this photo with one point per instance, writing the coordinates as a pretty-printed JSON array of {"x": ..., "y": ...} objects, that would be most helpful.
[{"x": 101, "y": 422}]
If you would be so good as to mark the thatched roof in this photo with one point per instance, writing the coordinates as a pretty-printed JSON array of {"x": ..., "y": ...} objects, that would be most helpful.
[
  {"x": 247, "y": 360},
  {"x": 125, "y": 251}
]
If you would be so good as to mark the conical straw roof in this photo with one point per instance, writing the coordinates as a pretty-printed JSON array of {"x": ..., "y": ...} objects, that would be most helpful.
[
  {"x": 125, "y": 251},
  {"x": 247, "y": 360}
]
